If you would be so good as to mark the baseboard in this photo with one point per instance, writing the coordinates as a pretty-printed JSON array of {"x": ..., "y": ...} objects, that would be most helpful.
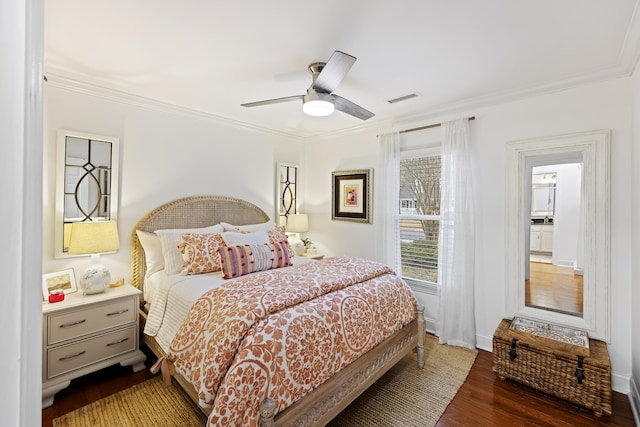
[
  {"x": 620, "y": 383},
  {"x": 484, "y": 342},
  {"x": 634, "y": 400},
  {"x": 430, "y": 325}
]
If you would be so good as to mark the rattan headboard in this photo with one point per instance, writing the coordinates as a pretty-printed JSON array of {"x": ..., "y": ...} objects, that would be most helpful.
[{"x": 190, "y": 212}]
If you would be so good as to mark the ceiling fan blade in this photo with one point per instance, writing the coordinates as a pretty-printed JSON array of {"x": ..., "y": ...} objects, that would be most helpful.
[
  {"x": 333, "y": 71},
  {"x": 349, "y": 107},
  {"x": 272, "y": 101}
]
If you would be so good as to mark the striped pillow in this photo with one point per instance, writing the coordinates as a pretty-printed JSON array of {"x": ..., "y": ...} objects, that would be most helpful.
[
  {"x": 244, "y": 259},
  {"x": 276, "y": 234}
]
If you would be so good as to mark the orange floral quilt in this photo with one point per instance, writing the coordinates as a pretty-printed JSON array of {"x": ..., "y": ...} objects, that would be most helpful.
[{"x": 281, "y": 333}]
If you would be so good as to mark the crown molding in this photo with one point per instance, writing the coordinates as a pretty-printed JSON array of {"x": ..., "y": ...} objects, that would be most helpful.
[
  {"x": 467, "y": 107},
  {"x": 630, "y": 51},
  {"x": 624, "y": 68},
  {"x": 77, "y": 86}
]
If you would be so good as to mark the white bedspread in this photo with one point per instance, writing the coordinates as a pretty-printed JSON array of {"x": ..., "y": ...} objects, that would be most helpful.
[{"x": 173, "y": 296}]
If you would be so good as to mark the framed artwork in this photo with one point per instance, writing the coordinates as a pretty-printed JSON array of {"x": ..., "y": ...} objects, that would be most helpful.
[
  {"x": 351, "y": 195},
  {"x": 63, "y": 280}
]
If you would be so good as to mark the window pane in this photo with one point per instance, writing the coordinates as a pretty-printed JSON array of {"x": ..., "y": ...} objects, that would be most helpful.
[
  {"x": 420, "y": 186},
  {"x": 420, "y": 195},
  {"x": 419, "y": 249}
]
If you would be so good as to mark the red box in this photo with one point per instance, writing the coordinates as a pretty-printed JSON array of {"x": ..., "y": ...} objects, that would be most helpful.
[{"x": 56, "y": 297}]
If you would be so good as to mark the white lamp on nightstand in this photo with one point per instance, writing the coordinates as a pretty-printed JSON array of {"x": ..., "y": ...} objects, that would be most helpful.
[
  {"x": 94, "y": 238},
  {"x": 296, "y": 224}
]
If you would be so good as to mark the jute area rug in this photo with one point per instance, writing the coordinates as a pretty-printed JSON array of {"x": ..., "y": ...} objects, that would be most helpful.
[
  {"x": 148, "y": 404},
  {"x": 405, "y": 396},
  {"x": 410, "y": 397}
]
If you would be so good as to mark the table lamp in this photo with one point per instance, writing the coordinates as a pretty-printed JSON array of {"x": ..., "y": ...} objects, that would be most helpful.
[
  {"x": 296, "y": 224},
  {"x": 94, "y": 237}
]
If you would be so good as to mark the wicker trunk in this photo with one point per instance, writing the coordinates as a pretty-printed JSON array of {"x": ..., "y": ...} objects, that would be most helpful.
[{"x": 584, "y": 381}]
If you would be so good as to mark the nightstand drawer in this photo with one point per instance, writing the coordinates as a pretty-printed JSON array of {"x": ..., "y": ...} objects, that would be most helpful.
[
  {"x": 70, "y": 357},
  {"x": 92, "y": 319}
]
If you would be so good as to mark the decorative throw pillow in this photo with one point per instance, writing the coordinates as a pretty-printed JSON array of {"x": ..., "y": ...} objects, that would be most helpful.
[
  {"x": 278, "y": 234},
  {"x": 234, "y": 238},
  {"x": 170, "y": 240},
  {"x": 238, "y": 236},
  {"x": 200, "y": 252},
  {"x": 152, "y": 251},
  {"x": 244, "y": 259},
  {"x": 250, "y": 227}
]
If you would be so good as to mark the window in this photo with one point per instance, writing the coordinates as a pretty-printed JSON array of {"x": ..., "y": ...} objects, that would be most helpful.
[{"x": 419, "y": 218}]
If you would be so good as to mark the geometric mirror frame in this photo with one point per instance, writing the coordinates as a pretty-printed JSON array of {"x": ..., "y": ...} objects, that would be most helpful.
[
  {"x": 288, "y": 175},
  {"x": 86, "y": 182}
]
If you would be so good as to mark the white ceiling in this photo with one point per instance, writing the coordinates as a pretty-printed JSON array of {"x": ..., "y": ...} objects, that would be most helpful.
[{"x": 213, "y": 55}]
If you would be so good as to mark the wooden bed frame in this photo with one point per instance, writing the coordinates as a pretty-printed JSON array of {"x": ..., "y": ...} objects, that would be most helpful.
[{"x": 325, "y": 402}]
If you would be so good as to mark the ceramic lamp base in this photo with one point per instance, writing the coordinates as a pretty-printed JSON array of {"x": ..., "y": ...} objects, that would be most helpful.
[{"x": 95, "y": 278}]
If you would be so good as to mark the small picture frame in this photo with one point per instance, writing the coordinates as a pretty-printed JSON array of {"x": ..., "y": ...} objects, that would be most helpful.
[
  {"x": 351, "y": 195},
  {"x": 64, "y": 281}
]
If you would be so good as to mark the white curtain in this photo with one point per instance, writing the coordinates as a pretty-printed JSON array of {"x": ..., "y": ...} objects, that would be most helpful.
[
  {"x": 456, "y": 314},
  {"x": 389, "y": 195}
]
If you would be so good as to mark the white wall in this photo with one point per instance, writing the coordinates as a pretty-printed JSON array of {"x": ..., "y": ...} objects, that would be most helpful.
[
  {"x": 20, "y": 186},
  {"x": 566, "y": 223},
  {"x": 635, "y": 261},
  {"x": 605, "y": 105},
  {"x": 165, "y": 154}
]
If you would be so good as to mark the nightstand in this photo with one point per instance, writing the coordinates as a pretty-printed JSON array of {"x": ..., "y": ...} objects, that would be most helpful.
[
  {"x": 314, "y": 256},
  {"x": 85, "y": 333}
]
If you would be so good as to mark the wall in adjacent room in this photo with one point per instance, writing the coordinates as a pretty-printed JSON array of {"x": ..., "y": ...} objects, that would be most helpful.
[
  {"x": 165, "y": 153},
  {"x": 606, "y": 105}
]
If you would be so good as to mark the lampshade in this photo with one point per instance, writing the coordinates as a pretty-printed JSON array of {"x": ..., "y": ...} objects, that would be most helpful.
[
  {"x": 93, "y": 237},
  {"x": 318, "y": 104},
  {"x": 298, "y": 223}
]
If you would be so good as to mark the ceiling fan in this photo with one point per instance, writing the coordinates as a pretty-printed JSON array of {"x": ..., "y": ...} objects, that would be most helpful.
[{"x": 319, "y": 100}]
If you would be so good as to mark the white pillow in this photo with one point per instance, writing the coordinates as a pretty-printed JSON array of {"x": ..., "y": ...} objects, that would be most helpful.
[
  {"x": 170, "y": 239},
  {"x": 152, "y": 251},
  {"x": 251, "y": 227},
  {"x": 232, "y": 238}
]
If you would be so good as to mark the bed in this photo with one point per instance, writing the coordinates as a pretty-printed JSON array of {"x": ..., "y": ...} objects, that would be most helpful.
[{"x": 324, "y": 401}]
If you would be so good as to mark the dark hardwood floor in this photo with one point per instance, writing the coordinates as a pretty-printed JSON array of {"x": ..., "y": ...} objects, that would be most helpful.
[
  {"x": 95, "y": 386},
  {"x": 483, "y": 400}
]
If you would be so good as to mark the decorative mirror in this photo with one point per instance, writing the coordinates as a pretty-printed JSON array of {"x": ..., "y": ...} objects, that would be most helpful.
[
  {"x": 287, "y": 187},
  {"x": 543, "y": 195},
  {"x": 584, "y": 156},
  {"x": 86, "y": 182}
]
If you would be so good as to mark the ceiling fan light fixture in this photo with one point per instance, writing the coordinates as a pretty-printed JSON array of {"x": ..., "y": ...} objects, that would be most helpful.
[
  {"x": 318, "y": 104},
  {"x": 320, "y": 99},
  {"x": 318, "y": 108}
]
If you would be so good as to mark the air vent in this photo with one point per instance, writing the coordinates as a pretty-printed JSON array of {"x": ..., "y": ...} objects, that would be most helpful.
[{"x": 404, "y": 97}]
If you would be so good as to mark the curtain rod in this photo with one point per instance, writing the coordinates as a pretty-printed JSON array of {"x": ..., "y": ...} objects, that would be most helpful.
[{"x": 428, "y": 126}]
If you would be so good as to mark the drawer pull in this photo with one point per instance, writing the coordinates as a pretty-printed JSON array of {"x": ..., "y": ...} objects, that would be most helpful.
[
  {"x": 115, "y": 313},
  {"x": 66, "y": 325},
  {"x": 117, "y": 342},
  {"x": 72, "y": 356}
]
